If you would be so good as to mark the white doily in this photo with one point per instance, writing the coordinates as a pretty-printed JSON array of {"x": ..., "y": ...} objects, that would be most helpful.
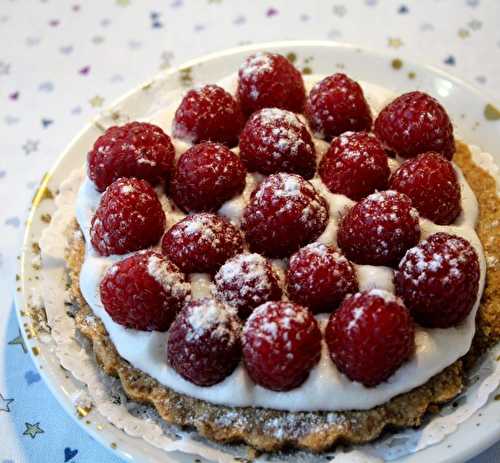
[{"x": 136, "y": 420}]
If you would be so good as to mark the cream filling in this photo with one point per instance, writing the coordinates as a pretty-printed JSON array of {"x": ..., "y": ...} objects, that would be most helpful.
[{"x": 325, "y": 388}]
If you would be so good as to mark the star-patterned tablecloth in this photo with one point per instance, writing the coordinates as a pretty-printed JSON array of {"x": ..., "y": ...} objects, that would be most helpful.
[{"x": 62, "y": 61}]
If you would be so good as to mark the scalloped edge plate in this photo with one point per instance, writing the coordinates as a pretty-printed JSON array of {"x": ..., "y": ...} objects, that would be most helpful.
[{"x": 475, "y": 117}]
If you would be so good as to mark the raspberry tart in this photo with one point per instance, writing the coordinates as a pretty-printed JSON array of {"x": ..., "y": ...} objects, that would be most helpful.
[{"x": 287, "y": 265}]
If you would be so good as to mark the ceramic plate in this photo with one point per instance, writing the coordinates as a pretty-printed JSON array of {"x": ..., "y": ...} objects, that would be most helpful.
[{"x": 477, "y": 121}]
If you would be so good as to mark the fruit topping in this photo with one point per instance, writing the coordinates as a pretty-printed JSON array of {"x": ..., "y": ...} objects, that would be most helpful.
[
  {"x": 355, "y": 165},
  {"x": 269, "y": 80},
  {"x": 336, "y": 105},
  {"x": 319, "y": 278},
  {"x": 275, "y": 140},
  {"x": 379, "y": 229},
  {"x": 284, "y": 213},
  {"x": 370, "y": 336},
  {"x": 415, "y": 123},
  {"x": 136, "y": 149},
  {"x": 208, "y": 113},
  {"x": 202, "y": 243},
  {"x": 281, "y": 344},
  {"x": 144, "y": 291},
  {"x": 129, "y": 218},
  {"x": 439, "y": 280},
  {"x": 206, "y": 176},
  {"x": 204, "y": 344},
  {"x": 431, "y": 183},
  {"x": 246, "y": 281}
]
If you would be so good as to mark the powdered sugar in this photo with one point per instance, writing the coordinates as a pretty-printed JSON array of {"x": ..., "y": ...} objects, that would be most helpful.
[
  {"x": 255, "y": 65},
  {"x": 247, "y": 275},
  {"x": 385, "y": 295},
  {"x": 274, "y": 116},
  {"x": 126, "y": 189},
  {"x": 209, "y": 317},
  {"x": 277, "y": 322},
  {"x": 172, "y": 281}
]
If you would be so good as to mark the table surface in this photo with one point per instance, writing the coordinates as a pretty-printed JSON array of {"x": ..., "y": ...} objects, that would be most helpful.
[{"x": 61, "y": 62}]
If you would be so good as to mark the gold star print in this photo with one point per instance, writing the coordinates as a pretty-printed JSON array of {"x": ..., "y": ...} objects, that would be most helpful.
[
  {"x": 18, "y": 341},
  {"x": 4, "y": 404},
  {"x": 96, "y": 101},
  {"x": 32, "y": 430},
  {"x": 394, "y": 42}
]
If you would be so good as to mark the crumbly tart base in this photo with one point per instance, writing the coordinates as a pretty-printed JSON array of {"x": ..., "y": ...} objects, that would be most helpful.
[{"x": 272, "y": 430}]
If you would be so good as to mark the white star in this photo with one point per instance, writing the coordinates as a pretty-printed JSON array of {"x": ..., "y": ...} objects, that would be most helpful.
[
  {"x": 4, "y": 404},
  {"x": 4, "y": 68}
]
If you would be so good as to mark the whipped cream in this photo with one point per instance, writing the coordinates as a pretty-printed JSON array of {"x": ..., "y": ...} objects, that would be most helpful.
[{"x": 325, "y": 388}]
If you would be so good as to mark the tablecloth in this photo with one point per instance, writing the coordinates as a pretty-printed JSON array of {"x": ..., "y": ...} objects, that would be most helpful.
[{"x": 62, "y": 61}]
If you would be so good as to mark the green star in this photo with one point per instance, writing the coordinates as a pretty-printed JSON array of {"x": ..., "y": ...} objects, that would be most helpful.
[
  {"x": 123, "y": 2},
  {"x": 4, "y": 404},
  {"x": 32, "y": 430},
  {"x": 96, "y": 101},
  {"x": 19, "y": 341},
  {"x": 394, "y": 42}
]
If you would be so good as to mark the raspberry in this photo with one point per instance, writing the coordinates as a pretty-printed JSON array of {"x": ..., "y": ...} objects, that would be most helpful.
[
  {"x": 439, "y": 280},
  {"x": 246, "y": 281},
  {"x": 284, "y": 213},
  {"x": 319, "y": 278},
  {"x": 206, "y": 176},
  {"x": 129, "y": 218},
  {"x": 201, "y": 243},
  {"x": 415, "y": 123},
  {"x": 144, "y": 291},
  {"x": 432, "y": 185},
  {"x": 379, "y": 229},
  {"x": 355, "y": 165},
  {"x": 275, "y": 140},
  {"x": 281, "y": 344},
  {"x": 336, "y": 105},
  {"x": 269, "y": 80},
  {"x": 208, "y": 113},
  {"x": 136, "y": 149},
  {"x": 370, "y": 336},
  {"x": 204, "y": 344}
]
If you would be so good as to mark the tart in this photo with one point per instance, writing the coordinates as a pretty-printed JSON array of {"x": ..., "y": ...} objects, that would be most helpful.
[{"x": 290, "y": 267}]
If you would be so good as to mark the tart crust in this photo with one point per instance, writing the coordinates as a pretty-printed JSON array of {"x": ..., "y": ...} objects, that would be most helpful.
[{"x": 272, "y": 430}]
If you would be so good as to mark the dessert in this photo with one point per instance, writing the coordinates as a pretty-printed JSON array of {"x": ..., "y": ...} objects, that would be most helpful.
[{"x": 292, "y": 306}]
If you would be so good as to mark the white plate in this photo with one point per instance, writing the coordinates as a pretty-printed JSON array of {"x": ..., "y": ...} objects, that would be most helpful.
[{"x": 476, "y": 120}]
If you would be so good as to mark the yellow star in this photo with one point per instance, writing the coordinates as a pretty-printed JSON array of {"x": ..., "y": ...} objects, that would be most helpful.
[
  {"x": 394, "y": 42},
  {"x": 96, "y": 101},
  {"x": 4, "y": 404},
  {"x": 123, "y": 2},
  {"x": 18, "y": 341},
  {"x": 32, "y": 430}
]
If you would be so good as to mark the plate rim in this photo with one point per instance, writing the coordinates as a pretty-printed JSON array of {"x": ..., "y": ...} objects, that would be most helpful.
[{"x": 21, "y": 302}]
